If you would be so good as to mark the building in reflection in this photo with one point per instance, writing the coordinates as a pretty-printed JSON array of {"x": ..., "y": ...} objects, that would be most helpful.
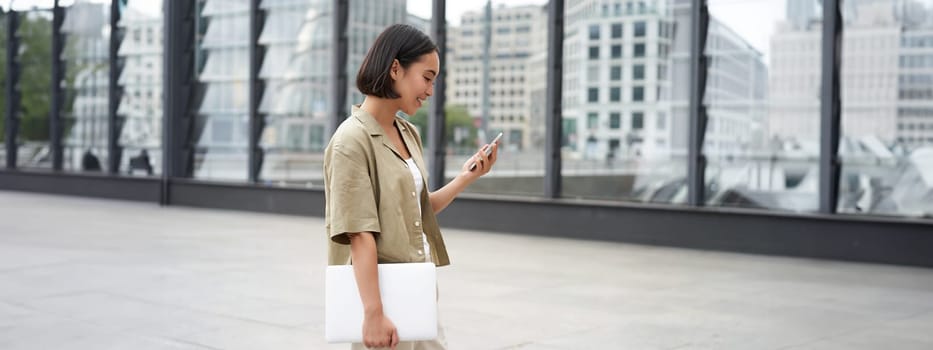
[
  {"x": 87, "y": 44},
  {"x": 886, "y": 89},
  {"x": 511, "y": 46},
  {"x": 140, "y": 79},
  {"x": 295, "y": 70},
  {"x": 626, "y": 83},
  {"x": 887, "y": 98}
]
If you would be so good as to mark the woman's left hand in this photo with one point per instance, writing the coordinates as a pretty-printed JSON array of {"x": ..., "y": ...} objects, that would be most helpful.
[{"x": 483, "y": 163}]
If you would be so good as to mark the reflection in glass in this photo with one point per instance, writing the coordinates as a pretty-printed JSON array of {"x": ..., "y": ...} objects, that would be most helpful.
[
  {"x": 140, "y": 107},
  {"x": 514, "y": 103},
  {"x": 296, "y": 70},
  {"x": 613, "y": 147},
  {"x": 222, "y": 119},
  {"x": 763, "y": 102},
  {"x": 87, "y": 76},
  {"x": 887, "y": 105},
  {"x": 296, "y": 74},
  {"x": 35, "y": 35}
]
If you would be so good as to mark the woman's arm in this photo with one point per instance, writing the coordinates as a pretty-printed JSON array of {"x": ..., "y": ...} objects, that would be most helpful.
[
  {"x": 441, "y": 198},
  {"x": 378, "y": 330}
]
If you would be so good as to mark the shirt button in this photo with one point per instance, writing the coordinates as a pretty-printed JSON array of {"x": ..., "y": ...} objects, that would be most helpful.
[
  {"x": 412, "y": 193},
  {"x": 417, "y": 223},
  {"x": 420, "y": 252}
]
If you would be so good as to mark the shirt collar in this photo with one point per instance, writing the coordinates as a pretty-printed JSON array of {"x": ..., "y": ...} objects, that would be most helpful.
[{"x": 370, "y": 122}]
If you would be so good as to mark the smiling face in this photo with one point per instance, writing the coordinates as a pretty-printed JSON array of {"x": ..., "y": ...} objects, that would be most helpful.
[{"x": 415, "y": 83}]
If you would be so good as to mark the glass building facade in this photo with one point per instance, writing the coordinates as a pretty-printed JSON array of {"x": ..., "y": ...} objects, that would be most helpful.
[{"x": 642, "y": 119}]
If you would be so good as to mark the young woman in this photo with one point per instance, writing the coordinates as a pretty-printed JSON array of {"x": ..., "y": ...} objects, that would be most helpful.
[{"x": 378, "y": 207}]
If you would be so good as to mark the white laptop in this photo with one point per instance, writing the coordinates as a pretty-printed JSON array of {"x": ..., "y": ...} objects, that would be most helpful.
[{"x": 409, "y": 299}]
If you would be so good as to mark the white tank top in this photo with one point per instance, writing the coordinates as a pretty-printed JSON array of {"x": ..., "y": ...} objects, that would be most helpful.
[{"x": 419, "y": 187}]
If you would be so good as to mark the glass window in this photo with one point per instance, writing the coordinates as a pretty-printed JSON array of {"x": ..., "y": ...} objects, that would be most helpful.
[
  {"x": 650, "y": 171},
  {"x": 614, "y": 144},
  {"x": 594, "y": 52},
  {"x": 639, "y": 50},
  {"x": 640, "y": 29},
  {"x": 615, "y": 94},
  {"x": 593, "y": 95},
  {"x": 296, "y": 71},
  {"x": 35, "y": 33},
  {"x": 316, "y": 138},
  {"x": 638, "y": 93},
  {"x": 616, "y": 30},
  {"x": 762, "y": 100},
  {"x": 592, "y": 120},
  {"x": 594, "y": 32},
  {"x": 519, "y": 106},
  {"x": 569, "y": 132},
  {"x": 592, "y": 73},
  {"x": 638, "y": 72},
  {"x": 86, "y": 110},
  {"x": 616, "y": 51},
  {"x": 638, "y": 120},
  {"x": 615, "y": 73},
  {"x": 886, "y": 87},
  {"x": 141, "y": 79},
  {"x": 221, "y": 151}
]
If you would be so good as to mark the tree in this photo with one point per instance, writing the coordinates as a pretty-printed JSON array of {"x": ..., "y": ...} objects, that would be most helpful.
[
  {"x": 35, "y": 33},
  {"x": 457, "y": 116}
]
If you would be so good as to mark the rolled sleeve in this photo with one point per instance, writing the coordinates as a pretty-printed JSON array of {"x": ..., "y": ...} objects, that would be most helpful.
[{"x": 353, "y": 207}]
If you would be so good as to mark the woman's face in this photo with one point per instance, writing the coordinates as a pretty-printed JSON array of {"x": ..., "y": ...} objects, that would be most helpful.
[{"x": 415, "y": 83}]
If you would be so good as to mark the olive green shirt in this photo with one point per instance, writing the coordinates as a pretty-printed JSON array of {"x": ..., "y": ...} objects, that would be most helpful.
[{"x": 369, "y": 188}]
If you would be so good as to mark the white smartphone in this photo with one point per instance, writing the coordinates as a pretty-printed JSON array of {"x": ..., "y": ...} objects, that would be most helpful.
[{"x": 488, "y": 150}]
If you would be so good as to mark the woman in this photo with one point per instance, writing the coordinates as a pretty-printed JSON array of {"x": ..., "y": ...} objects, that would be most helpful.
[{"x": 378, "y": 209}]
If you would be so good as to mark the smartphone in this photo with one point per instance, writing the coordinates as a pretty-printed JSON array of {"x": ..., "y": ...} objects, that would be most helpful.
[{"x": 489, "y": 149}]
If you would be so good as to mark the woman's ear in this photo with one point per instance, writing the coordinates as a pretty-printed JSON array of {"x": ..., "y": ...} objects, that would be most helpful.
[{"x": 393, "y": 72}]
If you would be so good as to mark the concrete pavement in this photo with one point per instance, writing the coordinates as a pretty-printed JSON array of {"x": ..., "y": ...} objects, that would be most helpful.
[{"x": 78, "y": 273}]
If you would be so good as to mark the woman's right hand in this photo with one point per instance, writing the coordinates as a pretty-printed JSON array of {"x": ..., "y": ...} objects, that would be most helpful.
[{"x": 379, "y": 331}]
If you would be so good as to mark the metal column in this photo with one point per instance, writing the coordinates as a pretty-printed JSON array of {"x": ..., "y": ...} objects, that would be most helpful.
[
  {"x": 178, "y": 87},
  {"x": 485, "y": 94},
  {"x": 338, "y": 72},
  {"x": 56, "y": 126},
  {"x": 256, "y": 120},
  {"x": 696, "y": 160},
  {"x": 437, "y": 117},
  {"x": 553, "y": 116},
  {"x": 830, "y": 115},
  {"x": 114, "y": 91},
  {"x": 12, "y": 88}
]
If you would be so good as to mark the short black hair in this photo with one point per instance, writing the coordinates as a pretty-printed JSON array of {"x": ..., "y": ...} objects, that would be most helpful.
[{"x": 400, "y": 42}]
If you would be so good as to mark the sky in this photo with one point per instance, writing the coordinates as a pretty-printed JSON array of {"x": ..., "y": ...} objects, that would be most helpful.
[{"x": 753, "y": 20}]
